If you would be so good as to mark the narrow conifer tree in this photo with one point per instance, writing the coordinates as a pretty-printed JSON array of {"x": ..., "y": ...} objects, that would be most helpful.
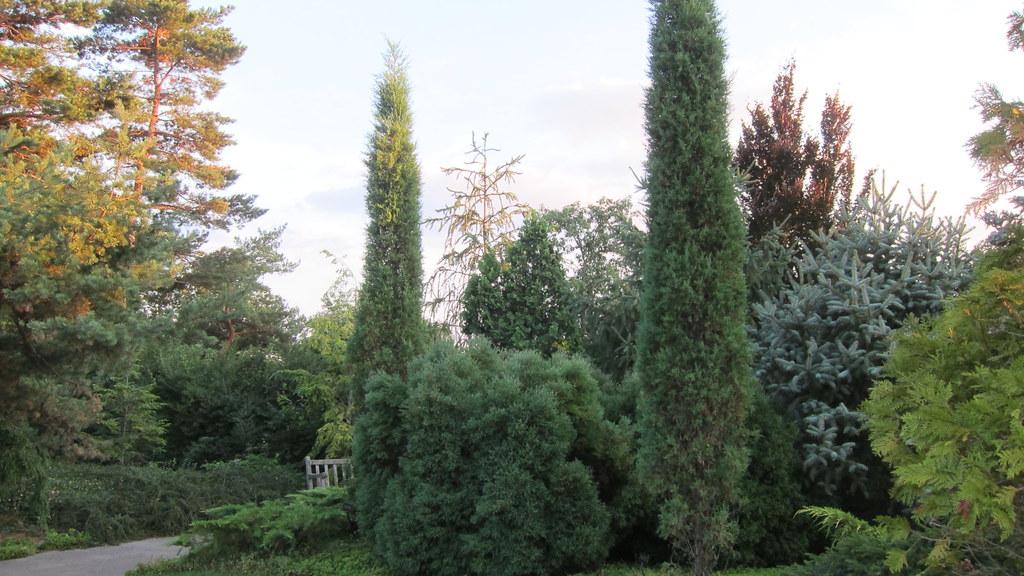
[
  {"x": 693, "y": 355},
  {"x": 389, "y": 327}
]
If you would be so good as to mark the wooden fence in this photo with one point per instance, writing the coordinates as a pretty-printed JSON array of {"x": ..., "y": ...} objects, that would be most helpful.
[{"x": 328, "y": 472}]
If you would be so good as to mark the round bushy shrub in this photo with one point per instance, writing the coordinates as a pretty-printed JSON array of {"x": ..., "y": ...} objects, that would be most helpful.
[{"x": 484, "y": 463}]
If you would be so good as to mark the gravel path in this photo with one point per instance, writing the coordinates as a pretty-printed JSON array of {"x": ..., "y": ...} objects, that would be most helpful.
[{"x": 101, "y": 561}]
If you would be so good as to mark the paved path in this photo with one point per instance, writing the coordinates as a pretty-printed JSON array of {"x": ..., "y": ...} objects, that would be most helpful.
[{"x": 101, "y": 561}]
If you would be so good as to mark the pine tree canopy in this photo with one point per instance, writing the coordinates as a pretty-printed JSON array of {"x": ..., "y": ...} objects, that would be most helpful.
[
  {"x": 74, "y": 265},
  {"x": 176, "y": 55}
]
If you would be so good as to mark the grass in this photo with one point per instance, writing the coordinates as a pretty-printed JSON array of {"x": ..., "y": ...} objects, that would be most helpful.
[
  {"x": 17, "y": 547},
  {"x": 619, "y": 570},
  {"x": 348, "y": 558},
  {"x": 339, "y": 559},
  {"x": 20, "y": 544}
]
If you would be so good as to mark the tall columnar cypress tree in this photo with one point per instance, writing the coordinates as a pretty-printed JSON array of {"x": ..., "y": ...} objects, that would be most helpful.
[
  {"x": 693, "y": 355},
  {"x": 389, "y": 328}
]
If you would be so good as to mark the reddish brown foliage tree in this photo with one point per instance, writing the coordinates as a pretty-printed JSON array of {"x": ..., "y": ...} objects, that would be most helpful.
[{"x": 794, "y": 180}]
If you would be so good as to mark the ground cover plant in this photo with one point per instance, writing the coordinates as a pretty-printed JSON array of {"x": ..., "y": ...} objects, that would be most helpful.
[{"x": 155, "y": 501}]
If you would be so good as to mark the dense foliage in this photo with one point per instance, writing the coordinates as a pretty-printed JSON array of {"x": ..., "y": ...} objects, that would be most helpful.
[
  {"x": 854, "y": 555},
  {"x": 73, "y": 268},
  {"x": 602, "y": 250},
  {"x": 822, "y": 340},
  {"x": 769, "y": 532},
  {"x": 389, "y": 327},
  {"x": 488, "y": 463},
  {"x": 948, "y": 421},
  {"x": 113, "y": 503},
  {"x": 794, "y": 181},
  {"x": 223, "y": 405},
  {"x": 111, "y": 174},
  {"x": 339, "y": 558},
  {"x": 693, "y": 354},
  {"x": 305, "y": 519},
  {"x": 523, "y": 301}
]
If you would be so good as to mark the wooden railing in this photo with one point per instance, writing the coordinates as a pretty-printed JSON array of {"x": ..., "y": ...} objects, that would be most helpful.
[{"x": 328, "y": 472}]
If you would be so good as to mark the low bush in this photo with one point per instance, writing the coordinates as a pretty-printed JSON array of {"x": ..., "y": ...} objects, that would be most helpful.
[
  {"x": 670, "y": 570},
  {"x": 65, "y": 540},
  {"x": 488, "y": 463},
  {"x": 114, "y": 503},
  {"x": 341, "y": 558},
  {"x": 305, "y": 519},
  {"x": 18, "y": 547},
  {"x": 852, "y": 555},
  {"x": 17, "y": 543}
]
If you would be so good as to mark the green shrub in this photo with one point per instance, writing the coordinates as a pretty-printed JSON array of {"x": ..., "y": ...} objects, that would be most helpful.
[
  {"x": 221, "y": 405},
  {"x": 303, "y": 519},
  {"x": 65, "y": 540},
  {"x": 22, "y": 476},
  {"x": 12, "y": 548},
  {"x": 340, "y": 558},
  {"x": 522, "y": 302},
  {"x": 670, "y": 570},
  {"x": 770, "y": 533},
  {"x": 948, "y": 421},
  {"x": 480, "y": 464},
  {"x": 852, "y": 555},
  {"x": 115, "y": 503}
]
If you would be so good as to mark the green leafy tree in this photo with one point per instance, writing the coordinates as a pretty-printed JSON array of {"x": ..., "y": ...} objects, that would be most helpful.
[
  {"x": 999, "y": 150},
  {"x": 220, "y": 296},
  {"x": 821, "y": 342},
  {"x": 948, "y": 420},
  {"x": 692, "y": 351},
  {"x": 131, "y": 430},
  {"x": 794, "y": 181},
  {"x": 482, "y": 217},
  {"x": 327, "y": 387},
  {"x": 175, "y": 54},
  {"x": 522, "y": 302},
  {"x": 389, "y": 328},
  {"x": 602, "y": 248}
]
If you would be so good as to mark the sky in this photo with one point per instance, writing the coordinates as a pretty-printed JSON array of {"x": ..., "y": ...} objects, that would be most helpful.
[{"x": 562, "y": 82}]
